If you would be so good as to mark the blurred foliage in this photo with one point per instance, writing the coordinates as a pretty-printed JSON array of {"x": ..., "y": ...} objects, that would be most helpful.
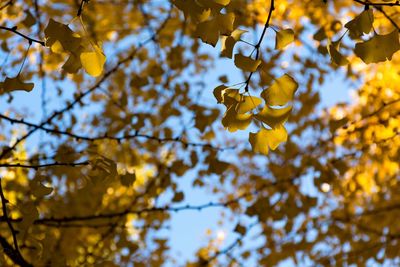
[{"x": 126, "y": 112}]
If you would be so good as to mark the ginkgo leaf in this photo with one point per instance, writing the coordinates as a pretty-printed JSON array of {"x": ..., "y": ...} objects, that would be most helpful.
[
  {"x": 29, "y": 215},
  {"x": 281, "y": 91},
  {"x": 231, "y": 97},
  {"x": 39, "y": 190},
  {"x": 15, "y": 84},
  {"x": 218, "y": 91},
  {"x": 128, "y": 179},
  {"x": 379, "y": 48},
  {"x": 178, "y": 197},
  {"x": 234, "y": 121},
  {"x": 336, "y": 56},
  {"x": 283, "y": 38},
  {"x": 273, "y": 116},
  {"x": 228, "y": 42},
  {"x": 247, "y": 103},
  {"x": 73, "y": 64},
  {"x": 320, "y": 34},
  {"x": 93, "y": 62},
  {"x": 267, "y": 139},
  {"x": 193, "y": 10},
  {"x": 225, "y": 23},
  {"x": 361, "y": 24},
  {"x": 246, "y": 63},
  {"x": 215, "y": 5},
  {"x": 61, "y": 36},
  {"x": 240, "y": 229},
  {"x": 29, "y": 19},
  {"x": 208, "y": 32}
]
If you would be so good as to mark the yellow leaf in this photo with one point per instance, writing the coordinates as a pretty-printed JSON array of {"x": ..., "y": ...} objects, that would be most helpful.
[
  {"x": 336, "y": 56},
  {"x": 246, "y": 63},
  {"x": 218, "y": 92},
  {"x": 247, "y": 103},
  {"x": 73, "y": 64},
  {"x": 62, "y": 36},
  {"x": 225, "y": 23},
  {"x": 208, "y": 32},
  {"x": 228, "y": 42},
  {"x": 361, "y": 24},
  {"x": 93, "y": 62},
  {"x": 379, "y": 48},
  {"x": 193, "y": 10},
  {"x": 234, "y": 121},
  {"x": 273, "y": 116},
  {"x": 267, "y": 139},
  {"x": 283, "y": 38},
  {"x": 281, "y": 91}
]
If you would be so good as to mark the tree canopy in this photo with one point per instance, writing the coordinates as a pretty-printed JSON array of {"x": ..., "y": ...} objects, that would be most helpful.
[{"x": 108, "y": 106}]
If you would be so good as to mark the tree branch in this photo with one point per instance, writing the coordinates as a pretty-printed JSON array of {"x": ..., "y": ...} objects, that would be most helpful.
[
  {"x": 257, "y": 46},
  {"x": 30, "y": 40},
  {"x": 136, "y": 134}
]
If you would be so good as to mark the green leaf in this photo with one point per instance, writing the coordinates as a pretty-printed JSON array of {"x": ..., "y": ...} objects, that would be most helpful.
[{"x": 379, "y": 48}]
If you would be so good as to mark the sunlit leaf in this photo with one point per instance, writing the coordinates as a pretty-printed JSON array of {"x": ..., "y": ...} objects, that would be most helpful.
[
  {"x": 272, "y": 116},
  {"x": 283, "y": 38},
  {"x": 361, "y": 24},
  {"x": 267, "y": 139},
  {"x": 281, "y": 91},
  {"x": 379, "y": 48},
  {"x": 93, "y": 62}
]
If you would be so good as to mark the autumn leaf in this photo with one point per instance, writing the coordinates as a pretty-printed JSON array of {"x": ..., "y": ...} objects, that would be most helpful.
[
  {"x": 379, "y": 48},
  {"x": 266, "y": 139},
  {"x": 246, "y": 63},
  {"x": 281, "y": 91},
  {"x": 361, "y": 24},
  {"x": 93, "y": 62},
  {"x": 273, "y": 116},
  {"x": 15, "y": 84},
  {"x": 336, "y": 56},
  {"x": 283, "y": 38}
]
